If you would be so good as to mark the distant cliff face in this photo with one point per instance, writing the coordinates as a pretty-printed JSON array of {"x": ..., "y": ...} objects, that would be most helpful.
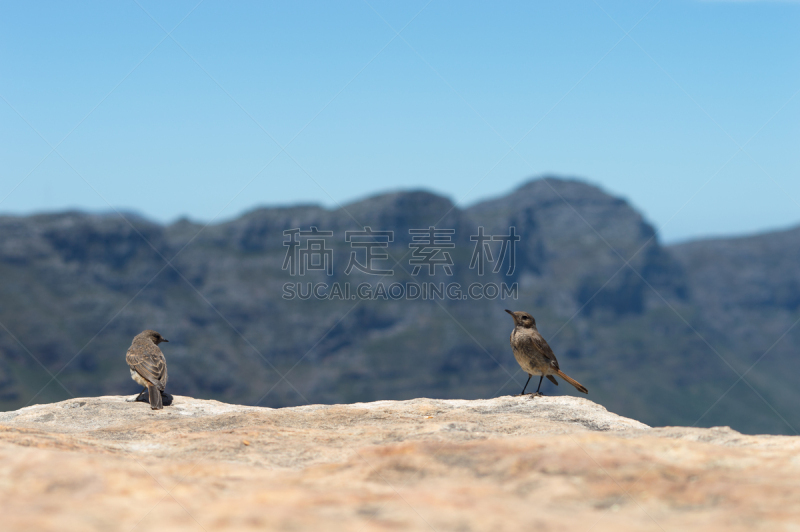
[{"x": 647, "y": 329}]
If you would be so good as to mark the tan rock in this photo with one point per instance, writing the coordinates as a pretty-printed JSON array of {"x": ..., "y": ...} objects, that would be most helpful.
[{"x": 510, "y": 463}]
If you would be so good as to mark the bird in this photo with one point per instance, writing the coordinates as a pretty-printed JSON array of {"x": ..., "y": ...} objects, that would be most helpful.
[
  {"x": 534, "y": 355},
  {"x": 149, "y": 368}
]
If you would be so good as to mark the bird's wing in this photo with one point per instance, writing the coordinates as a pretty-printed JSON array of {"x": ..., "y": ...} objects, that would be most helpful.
[
  {"x": 149, "y": 362},
  {"x": 540, "y": 344}
]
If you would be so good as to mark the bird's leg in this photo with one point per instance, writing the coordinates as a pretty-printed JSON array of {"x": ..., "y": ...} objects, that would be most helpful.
[
  {"x": 526, "y": 384},
  {"x": 540, "y": 385},
  {"x": 142, "y": 397}
]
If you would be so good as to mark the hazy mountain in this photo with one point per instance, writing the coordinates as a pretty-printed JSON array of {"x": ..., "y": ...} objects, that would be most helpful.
[{"x": 656, "y": 333}]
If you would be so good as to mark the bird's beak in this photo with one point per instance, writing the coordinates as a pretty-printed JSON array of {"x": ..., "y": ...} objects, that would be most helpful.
[
  {"x": 512, "y": 314},
  {"x": 164, "y": 340}
]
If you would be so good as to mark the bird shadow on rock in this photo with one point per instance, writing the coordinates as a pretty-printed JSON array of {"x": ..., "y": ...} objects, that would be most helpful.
[{"x": 166, "y": 398}]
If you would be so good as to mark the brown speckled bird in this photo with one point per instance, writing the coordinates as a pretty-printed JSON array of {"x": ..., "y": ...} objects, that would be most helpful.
[
  {"x": 149, "y": 368},
  {"x": 534, "y": 355}
]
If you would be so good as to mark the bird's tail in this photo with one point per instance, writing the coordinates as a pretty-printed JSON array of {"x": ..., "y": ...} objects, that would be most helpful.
[
  {"x": 155, "y": 398},
  {"x": 576, "y": 384}
]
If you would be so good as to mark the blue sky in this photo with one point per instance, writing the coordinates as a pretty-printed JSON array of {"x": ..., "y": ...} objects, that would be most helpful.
[{"x": 693, "y": 117}]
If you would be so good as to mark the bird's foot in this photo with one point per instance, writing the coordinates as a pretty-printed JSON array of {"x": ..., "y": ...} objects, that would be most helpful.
[{"x": 533, "y": 394}]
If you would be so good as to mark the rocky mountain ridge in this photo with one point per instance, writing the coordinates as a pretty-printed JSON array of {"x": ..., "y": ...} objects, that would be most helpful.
[{"x": 659, "y": 333}]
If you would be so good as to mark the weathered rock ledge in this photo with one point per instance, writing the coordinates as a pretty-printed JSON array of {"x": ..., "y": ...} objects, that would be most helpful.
[{"x": 509, "y": 463}]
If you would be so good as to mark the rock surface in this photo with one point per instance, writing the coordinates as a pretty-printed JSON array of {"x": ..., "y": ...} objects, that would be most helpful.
[{"x": 509, "y": 463}]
